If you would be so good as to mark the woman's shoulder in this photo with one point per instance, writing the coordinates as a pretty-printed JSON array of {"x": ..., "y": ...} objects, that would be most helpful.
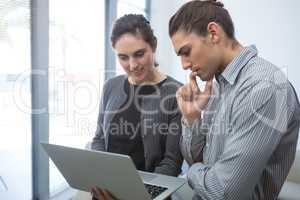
[
  {"x": 171, "y": 79},
  {"x": 170, "y": 83},
  {"x": 114, "y": 81},
  {"x": 113, "y": 85}
]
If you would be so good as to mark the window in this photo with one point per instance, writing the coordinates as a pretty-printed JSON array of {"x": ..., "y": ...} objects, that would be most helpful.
[
  {"x": 15, "y": 98},
  {"x": 76, "y": 74},
  {"x": 129, "y": 7}
]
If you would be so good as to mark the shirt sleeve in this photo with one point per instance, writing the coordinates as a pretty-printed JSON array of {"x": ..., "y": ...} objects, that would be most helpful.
[
  {"x": 192, "y": 141},
  {"x": 259, "y": 118}
]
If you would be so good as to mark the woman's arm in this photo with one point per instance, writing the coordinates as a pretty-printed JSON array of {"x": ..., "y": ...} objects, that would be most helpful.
[
  {"x": 172, "y": 160},
  {"x": 98, "y": 142}
]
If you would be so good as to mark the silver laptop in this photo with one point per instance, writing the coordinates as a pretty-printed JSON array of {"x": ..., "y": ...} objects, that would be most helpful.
[{"x": 84, "y": 169}]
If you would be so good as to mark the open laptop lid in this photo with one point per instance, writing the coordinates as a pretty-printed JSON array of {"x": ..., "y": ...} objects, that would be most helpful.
[{"x": 84, "y": 169}]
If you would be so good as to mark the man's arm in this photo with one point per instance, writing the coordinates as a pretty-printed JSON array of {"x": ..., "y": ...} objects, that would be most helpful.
[
  {"x": 193, "y": 141},
  {"x": 259, "y": 118},
  {"x": 192, "y": 101}
]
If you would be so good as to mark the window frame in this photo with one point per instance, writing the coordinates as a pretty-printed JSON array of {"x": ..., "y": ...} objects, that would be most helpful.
[{"x": 40, "y": 92}]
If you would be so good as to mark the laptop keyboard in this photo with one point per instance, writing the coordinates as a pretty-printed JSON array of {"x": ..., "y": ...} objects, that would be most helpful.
[{"x": 154, "y": 190}]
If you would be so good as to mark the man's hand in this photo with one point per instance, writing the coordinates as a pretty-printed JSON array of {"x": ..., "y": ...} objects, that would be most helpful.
[
  {"x": 101, "y": 194},
  {"x": 191, "y": 100}
]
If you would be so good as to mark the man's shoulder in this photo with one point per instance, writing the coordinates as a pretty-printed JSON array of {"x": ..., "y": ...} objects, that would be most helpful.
[
  {"x": 260, "y": 71},
  {"x": 262, "y": 75}
]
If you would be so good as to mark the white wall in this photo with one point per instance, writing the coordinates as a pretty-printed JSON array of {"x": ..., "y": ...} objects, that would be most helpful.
[
  {"x": 272, "y": 25},
  {"x": 161, "y": 11}
]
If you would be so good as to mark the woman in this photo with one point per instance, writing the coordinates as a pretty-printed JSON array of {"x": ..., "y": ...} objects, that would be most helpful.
[{"x": 138, "y": 111}]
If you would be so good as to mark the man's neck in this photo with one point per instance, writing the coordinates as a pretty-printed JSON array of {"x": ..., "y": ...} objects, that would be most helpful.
[{"x": 231, "y": 51}]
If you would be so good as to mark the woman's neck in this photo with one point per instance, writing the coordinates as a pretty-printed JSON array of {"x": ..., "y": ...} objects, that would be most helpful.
[{"x": 154, "y": 77}]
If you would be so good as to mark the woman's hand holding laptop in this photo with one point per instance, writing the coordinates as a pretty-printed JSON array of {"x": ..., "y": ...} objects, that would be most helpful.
[{"x": 101, "y": 194}]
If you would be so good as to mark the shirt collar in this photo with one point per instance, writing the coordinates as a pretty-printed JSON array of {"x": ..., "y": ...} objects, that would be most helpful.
[{"x": 233, "y": 69}]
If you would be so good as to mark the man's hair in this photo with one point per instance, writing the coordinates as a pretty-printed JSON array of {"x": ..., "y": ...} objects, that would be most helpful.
[
  {"x": 194, "y": 16},
  {"x": 135, "y": 24}
]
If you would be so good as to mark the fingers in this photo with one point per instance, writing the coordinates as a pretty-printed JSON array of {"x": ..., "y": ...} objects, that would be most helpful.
[
  {"x": 191, "y": 91},
  {"x": 98, "y": 193},
  {"x": 194, "y": 87},
  {"x": 208, "y": 87},
  {"x": 108, "y": 195},
  {"x": 102, "y": 194},
  {"x": 187, "y": 91},
  {"x": 184, "y": 93},
  {"x": 193, "y": 83}
]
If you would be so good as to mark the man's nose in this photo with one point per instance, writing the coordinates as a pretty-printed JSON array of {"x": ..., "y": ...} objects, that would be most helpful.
[{"x": 186, "y": 64}]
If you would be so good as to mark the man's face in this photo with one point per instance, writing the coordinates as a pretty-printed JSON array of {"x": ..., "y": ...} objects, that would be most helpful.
[{"x": 197, "y": 53}]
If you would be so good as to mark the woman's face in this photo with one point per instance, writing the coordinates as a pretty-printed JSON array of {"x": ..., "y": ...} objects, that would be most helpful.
[{"x": 136, "y": 57}]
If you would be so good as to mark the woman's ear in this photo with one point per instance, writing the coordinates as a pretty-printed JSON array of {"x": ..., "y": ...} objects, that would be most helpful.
[{"x": 154, "y": 45}]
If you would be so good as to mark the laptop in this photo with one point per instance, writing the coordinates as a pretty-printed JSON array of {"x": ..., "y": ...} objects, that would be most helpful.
[{"x": 84, "y": 169}]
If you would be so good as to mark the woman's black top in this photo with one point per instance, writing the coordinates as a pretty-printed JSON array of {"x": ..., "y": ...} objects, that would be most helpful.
[{"x": 125, "y": 128}]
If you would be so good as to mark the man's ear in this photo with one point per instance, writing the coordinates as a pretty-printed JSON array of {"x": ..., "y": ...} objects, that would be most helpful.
[{"x": 213, "y": 30}]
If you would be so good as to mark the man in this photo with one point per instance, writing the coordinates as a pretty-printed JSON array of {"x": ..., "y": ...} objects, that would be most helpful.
[{"x": 240, "y": 133}]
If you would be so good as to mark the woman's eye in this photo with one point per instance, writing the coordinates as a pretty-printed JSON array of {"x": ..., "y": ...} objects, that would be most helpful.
[
  {"x": 140, "y": 54},
  {"x": 123, "y": 58}
]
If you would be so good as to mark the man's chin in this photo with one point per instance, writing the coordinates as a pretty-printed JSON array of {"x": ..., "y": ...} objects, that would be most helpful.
[{"x": 205, "y": 77}]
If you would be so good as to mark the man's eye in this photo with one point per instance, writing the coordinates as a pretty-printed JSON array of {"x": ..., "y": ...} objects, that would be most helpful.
[{"x": 186, "y": 52}]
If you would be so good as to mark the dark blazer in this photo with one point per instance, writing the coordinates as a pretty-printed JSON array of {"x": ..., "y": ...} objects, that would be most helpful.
[{"x": 161, "y": 120}]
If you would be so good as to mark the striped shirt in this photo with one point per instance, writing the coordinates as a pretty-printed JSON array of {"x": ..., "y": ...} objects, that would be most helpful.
[{"x": 245, "y": 142}]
